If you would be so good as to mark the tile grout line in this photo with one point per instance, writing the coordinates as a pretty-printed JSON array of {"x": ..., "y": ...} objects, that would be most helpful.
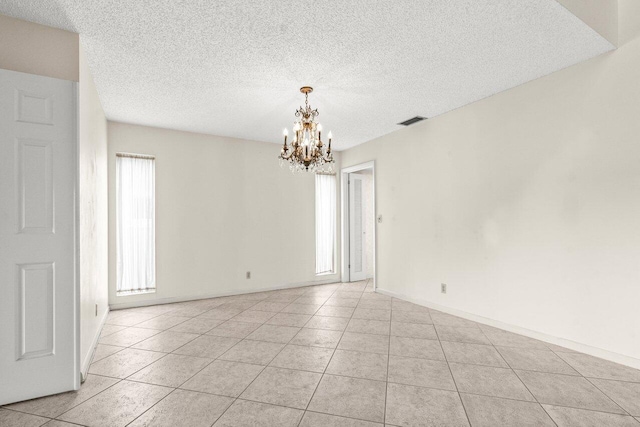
[
  {"x": 263, "y": 369},
  {"x": 176, "y": 388},
  {"x": 212, "y": 361},
  {"x": 84, "y": 401},
  {"x": 360, "y": 299},
  {"x": 172, "y": 326},
  {"x": 276, "y": 405},
  {"x": 570, "y": 376},
  {"x": 199, "y": 335},
  {"x": 386, "y": 386},
  {"x": 272, "y": 359},
  {"x": 346, "y": 376},
  {"x": 453, "y": 378},
  {"x": 562, "y": 374},
  {"x": 131, "y": 347},
  {"x": 152, "y": 406},
  {"x": 607, "y": 396},
  {"x": 496, "y": 347},
  {"x": 523, "y": 383},
  {"x": 141, "y": 382},
  {"x": 330, "y": 359}
]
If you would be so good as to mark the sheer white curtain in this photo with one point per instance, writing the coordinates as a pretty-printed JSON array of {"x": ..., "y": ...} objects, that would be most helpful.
[
  {"x": 135, "y": 223},
  {"x": 325, "y": 223}
]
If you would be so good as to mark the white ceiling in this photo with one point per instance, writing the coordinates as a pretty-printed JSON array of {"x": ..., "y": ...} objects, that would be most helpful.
[{"x": 234, "y": 67}]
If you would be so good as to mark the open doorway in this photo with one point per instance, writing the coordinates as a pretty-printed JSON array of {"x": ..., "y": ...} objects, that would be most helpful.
[{"x": 358, "y": 223}]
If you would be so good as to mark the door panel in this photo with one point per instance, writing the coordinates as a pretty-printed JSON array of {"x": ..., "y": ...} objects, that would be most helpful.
[
  {"x": 357, "y": 258},
  {"x": 34, "y": 167},
  {"x": 38, "y": 351}
]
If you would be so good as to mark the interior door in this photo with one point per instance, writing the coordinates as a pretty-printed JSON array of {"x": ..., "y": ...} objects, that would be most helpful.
[
  {"x": 357, "y": 257},
  {"x": 38, "y": 348}
]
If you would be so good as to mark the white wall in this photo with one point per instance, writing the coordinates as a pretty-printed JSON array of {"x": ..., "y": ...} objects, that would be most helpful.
[
  {"x": 527, "y": 203},
  {"x": 92, "y": 178},
  {"x": 223, "y": 207}
]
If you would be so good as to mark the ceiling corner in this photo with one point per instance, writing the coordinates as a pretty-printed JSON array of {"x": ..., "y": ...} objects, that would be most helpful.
[{"x": 600, "y": 15}]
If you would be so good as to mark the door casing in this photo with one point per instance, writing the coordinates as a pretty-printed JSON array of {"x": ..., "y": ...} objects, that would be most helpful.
[{"x": 344, "y": 209}]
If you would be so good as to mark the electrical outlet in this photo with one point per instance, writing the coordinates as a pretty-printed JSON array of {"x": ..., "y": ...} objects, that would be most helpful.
[
  {"x": 248, "y": 275},
  {"x": 443, "y": 288}
]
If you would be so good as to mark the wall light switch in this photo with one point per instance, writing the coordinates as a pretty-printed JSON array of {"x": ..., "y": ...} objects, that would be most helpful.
[
  {"x": 443, "y": 288},
  {"x": 379, "y": 219},
  {"x": 248, "y": 275}
]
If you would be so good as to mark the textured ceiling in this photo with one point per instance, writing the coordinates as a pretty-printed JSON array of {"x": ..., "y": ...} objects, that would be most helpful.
[{"x": 234, "y": 67}]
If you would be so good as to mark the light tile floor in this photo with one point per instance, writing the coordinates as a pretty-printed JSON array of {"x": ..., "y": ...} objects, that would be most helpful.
[{"x": 330, "y": 355}]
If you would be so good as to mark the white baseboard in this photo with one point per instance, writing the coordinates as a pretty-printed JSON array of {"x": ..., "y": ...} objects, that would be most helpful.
[
  {"x": 84, "y": 368},
  {"x": 170, "y": 300},
  {"x": 572, "y": 345}
]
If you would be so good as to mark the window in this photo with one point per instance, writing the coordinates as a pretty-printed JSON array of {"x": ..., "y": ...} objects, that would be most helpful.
[
  {"x": 135, "y": 223},
  {"x": 325, "y": 223}
]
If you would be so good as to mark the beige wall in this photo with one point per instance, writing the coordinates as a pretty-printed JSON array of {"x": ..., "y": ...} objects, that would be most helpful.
[
  {"x": 92, "y": 178},
  {"x": 223, "y": 207},
  {"x": 601, "y": 15},
  {"x": 527, "y": 203},
  {"x": 37, "y": 49}
]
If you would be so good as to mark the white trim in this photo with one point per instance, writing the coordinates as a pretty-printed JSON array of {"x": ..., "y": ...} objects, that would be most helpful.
[
  {"x": 344, "y": 227},
  {"x": 170, "y": 300},
  {"x": 77, "y": 301},
  {"x": 328, "y": 273},
  {"x": 562, "y": 342},
  {"x": 128, "y": 293},
  {"x": 366, "y": 165},
  {"x": 344, "y": 219},
  {"x": 89, "y": 357}
]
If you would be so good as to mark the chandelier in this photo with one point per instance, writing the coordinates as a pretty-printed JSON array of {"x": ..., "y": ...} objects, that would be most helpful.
[{"x": 307, "y": 149}]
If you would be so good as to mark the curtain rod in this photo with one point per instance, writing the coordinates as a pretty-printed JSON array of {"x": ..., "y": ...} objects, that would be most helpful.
[
  {"x": 325, "y": 173},
  {"x": 136, "y": 156}
]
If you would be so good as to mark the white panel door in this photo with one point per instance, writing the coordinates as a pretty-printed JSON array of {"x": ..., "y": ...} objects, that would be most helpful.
[
  {"x": 38, "y": 348},
  {"x": 357, "y": 256}
]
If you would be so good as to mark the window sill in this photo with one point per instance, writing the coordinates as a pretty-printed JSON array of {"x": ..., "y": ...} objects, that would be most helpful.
[
  {"x": 328, "y": 273},
  {"x": 130, "y": 293}
]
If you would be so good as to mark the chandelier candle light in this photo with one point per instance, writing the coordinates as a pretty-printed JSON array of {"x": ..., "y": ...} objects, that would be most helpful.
[{"x": 307, "y": 149}]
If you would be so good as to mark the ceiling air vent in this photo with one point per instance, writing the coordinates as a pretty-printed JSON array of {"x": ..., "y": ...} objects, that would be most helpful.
[{"x": 412, "y": 120}]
